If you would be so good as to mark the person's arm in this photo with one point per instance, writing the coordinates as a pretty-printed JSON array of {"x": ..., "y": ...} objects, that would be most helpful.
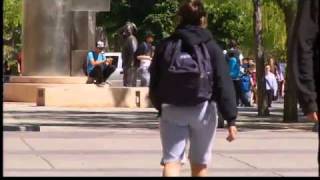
[
  {"x": 304, "y": 39},
  {"x": 275, "y": 86},
  {"x": 142, "y": 52},
  {"x": 223, "y": 91},
  {"x": 144, "y": 57},
  {"x": 251, "y": 82},
  {"x": 93, "y": 61},
  {"x": 155, "y": 73},
  {"x": 232, "y": 66},
  {"x": 19, "y": 69}
]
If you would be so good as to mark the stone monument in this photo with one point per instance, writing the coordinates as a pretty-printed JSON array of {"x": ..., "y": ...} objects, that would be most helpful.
[{"x": 57, "y": 34}]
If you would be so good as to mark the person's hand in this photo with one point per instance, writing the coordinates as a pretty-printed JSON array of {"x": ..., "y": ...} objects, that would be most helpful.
[
  {"x": 108, "y": 61},
  {"x": 232, "y": 130},
  {"x": 313, "y": 117}
]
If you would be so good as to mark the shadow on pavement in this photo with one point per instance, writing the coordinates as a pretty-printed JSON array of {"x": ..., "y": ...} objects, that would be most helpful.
[{"x": 247, "y": 121}]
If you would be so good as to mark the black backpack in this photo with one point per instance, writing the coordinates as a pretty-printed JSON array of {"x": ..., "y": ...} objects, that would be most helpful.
[
  {"x": 186, "y": 75},
  {"x": 85, "y": 62}
]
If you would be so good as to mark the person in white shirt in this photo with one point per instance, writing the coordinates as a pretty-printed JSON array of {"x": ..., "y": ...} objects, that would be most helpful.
[
  {"x": 144, "y": 55},
  {"x": 271, "y": 85}
]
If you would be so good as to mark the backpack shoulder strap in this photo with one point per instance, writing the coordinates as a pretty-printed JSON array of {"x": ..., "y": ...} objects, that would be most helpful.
[
  {"x": 268, "y": 83},
  {"x": 177, "y": 45},
  {"x": 95, "y": 55}
]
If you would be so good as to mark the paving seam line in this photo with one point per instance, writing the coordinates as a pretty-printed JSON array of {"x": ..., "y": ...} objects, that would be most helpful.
[
  {"x": 36, "y": 153},
  {"x": 248, "y": 164}
]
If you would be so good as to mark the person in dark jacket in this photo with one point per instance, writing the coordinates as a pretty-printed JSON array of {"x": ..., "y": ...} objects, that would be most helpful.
[
  {"x": 304, "y": 53},
  {"x": 178, "y": 123}
]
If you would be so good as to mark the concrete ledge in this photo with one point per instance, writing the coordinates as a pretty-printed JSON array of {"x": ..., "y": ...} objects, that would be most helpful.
[
  {"x": 93, "y": 96},
  {"x": 27, "y": 92},
  {"x": 48, "y": 80},
  {"x": 22, "y": 92}
]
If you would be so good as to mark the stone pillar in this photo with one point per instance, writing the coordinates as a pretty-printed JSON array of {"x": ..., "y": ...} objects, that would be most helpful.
[
  {"x": 53, "y": 29},
  {"x": 46, "y": 37},
  {"x": 84, "y": 24}
]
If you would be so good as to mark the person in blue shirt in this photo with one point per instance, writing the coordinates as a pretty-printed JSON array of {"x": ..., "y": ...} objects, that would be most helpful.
[
  {"x": 234, "y": 69},
  {"x": 99, "y": 68},
  {"x": 246, "y": 88}
]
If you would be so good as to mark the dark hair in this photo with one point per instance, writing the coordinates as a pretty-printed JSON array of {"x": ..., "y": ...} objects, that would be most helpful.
[
  {"x": 231, "y": 54},
  {"x": 233, "y": 44},
  {"x": 191, "y": 12},
  {"x": 148, "y": 34}
]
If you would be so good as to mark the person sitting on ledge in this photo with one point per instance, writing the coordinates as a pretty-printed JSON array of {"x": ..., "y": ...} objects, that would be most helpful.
[{"x": 99, "y": 68}]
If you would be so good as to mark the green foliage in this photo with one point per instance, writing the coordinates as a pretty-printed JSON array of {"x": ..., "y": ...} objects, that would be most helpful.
[
  {"x": 231, "y": 20},
  {"x": 12, "y": 29},
  {"x": 12, "y": 20},
  {"x": 227, "y": 19},
  {"x": 162, "y": 20},
  {"x": 274, "y": 32}
]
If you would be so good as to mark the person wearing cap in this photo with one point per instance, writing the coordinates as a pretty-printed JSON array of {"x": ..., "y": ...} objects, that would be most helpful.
[
  {"x": 144, "y": 56},
  {"x": 99, "y": 68}
]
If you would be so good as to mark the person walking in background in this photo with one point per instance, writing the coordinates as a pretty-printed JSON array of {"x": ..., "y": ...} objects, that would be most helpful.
[
  {"x": 144, "y": 56},
  {"x": 253, "y": 73},
  {"x": 280, "y": 79},
  {"x": 276, "y": 70},
  {"x": 271, "y": 85},
  {"x": 233, "y": 46},
  {"x": 234, "y": 70},
  {"x": 188, "y": 111},
  {"x": 244, "y": 66},
  {"x": 304, "y": 53},
  {"x": 246, "y": 88}
]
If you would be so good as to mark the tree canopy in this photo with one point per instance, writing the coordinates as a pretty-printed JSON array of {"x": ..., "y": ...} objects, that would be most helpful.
[{"x": 227, "y": 19}]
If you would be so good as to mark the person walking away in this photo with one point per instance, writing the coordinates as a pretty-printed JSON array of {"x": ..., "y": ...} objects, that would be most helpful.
[
  {"x": 246, "y": 87},
  {"x": 233, "y": 46},
  {"x": 234, "y": 69},
  {"x": 271, "y": 85},
  {"x": 304, "y": 53},
  {"x": 144, "y": 56},
  {"x": 280, "y": 79},
  {"x": 244, "y": 66},
  {"x": 189, "y": 77},
  {"x": 253, "y": 73},
  {"x": 99, "y": 68}
]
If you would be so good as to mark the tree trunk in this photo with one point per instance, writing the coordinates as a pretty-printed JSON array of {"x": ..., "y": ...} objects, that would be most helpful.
[
  {"x": 263, "y": 109},
  {"x": 290, "y": 113}
]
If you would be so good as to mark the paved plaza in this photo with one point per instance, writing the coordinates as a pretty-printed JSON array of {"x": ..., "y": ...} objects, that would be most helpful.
[{"x": 125, "y": 142}]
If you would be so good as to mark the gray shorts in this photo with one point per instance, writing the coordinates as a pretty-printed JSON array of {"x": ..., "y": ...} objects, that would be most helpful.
[{"x": 196, "y": 124}]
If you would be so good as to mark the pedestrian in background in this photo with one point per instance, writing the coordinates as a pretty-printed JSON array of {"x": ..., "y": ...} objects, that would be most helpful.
[
  {"x": 271, "y": 85},
  {"x": 144, "y": 56}
]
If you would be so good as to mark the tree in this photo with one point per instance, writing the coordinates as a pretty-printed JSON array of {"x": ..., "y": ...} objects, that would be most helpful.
[
  {"x": 231, "y": 20},
  {"x": 259, "y": 51},
  {"x": 12, "y": 24},
  {"x": 162, "y": 19},
  {"x": 290, "y": 105}
]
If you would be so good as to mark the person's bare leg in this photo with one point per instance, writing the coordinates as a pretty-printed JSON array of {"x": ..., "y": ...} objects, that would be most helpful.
[
  {"x": 171, "y": 170},
  {"x": 199, "y": 170}
]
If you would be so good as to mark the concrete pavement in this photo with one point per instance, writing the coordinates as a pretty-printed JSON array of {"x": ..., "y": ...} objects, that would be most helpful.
[{"x": 123, "y": 142}]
